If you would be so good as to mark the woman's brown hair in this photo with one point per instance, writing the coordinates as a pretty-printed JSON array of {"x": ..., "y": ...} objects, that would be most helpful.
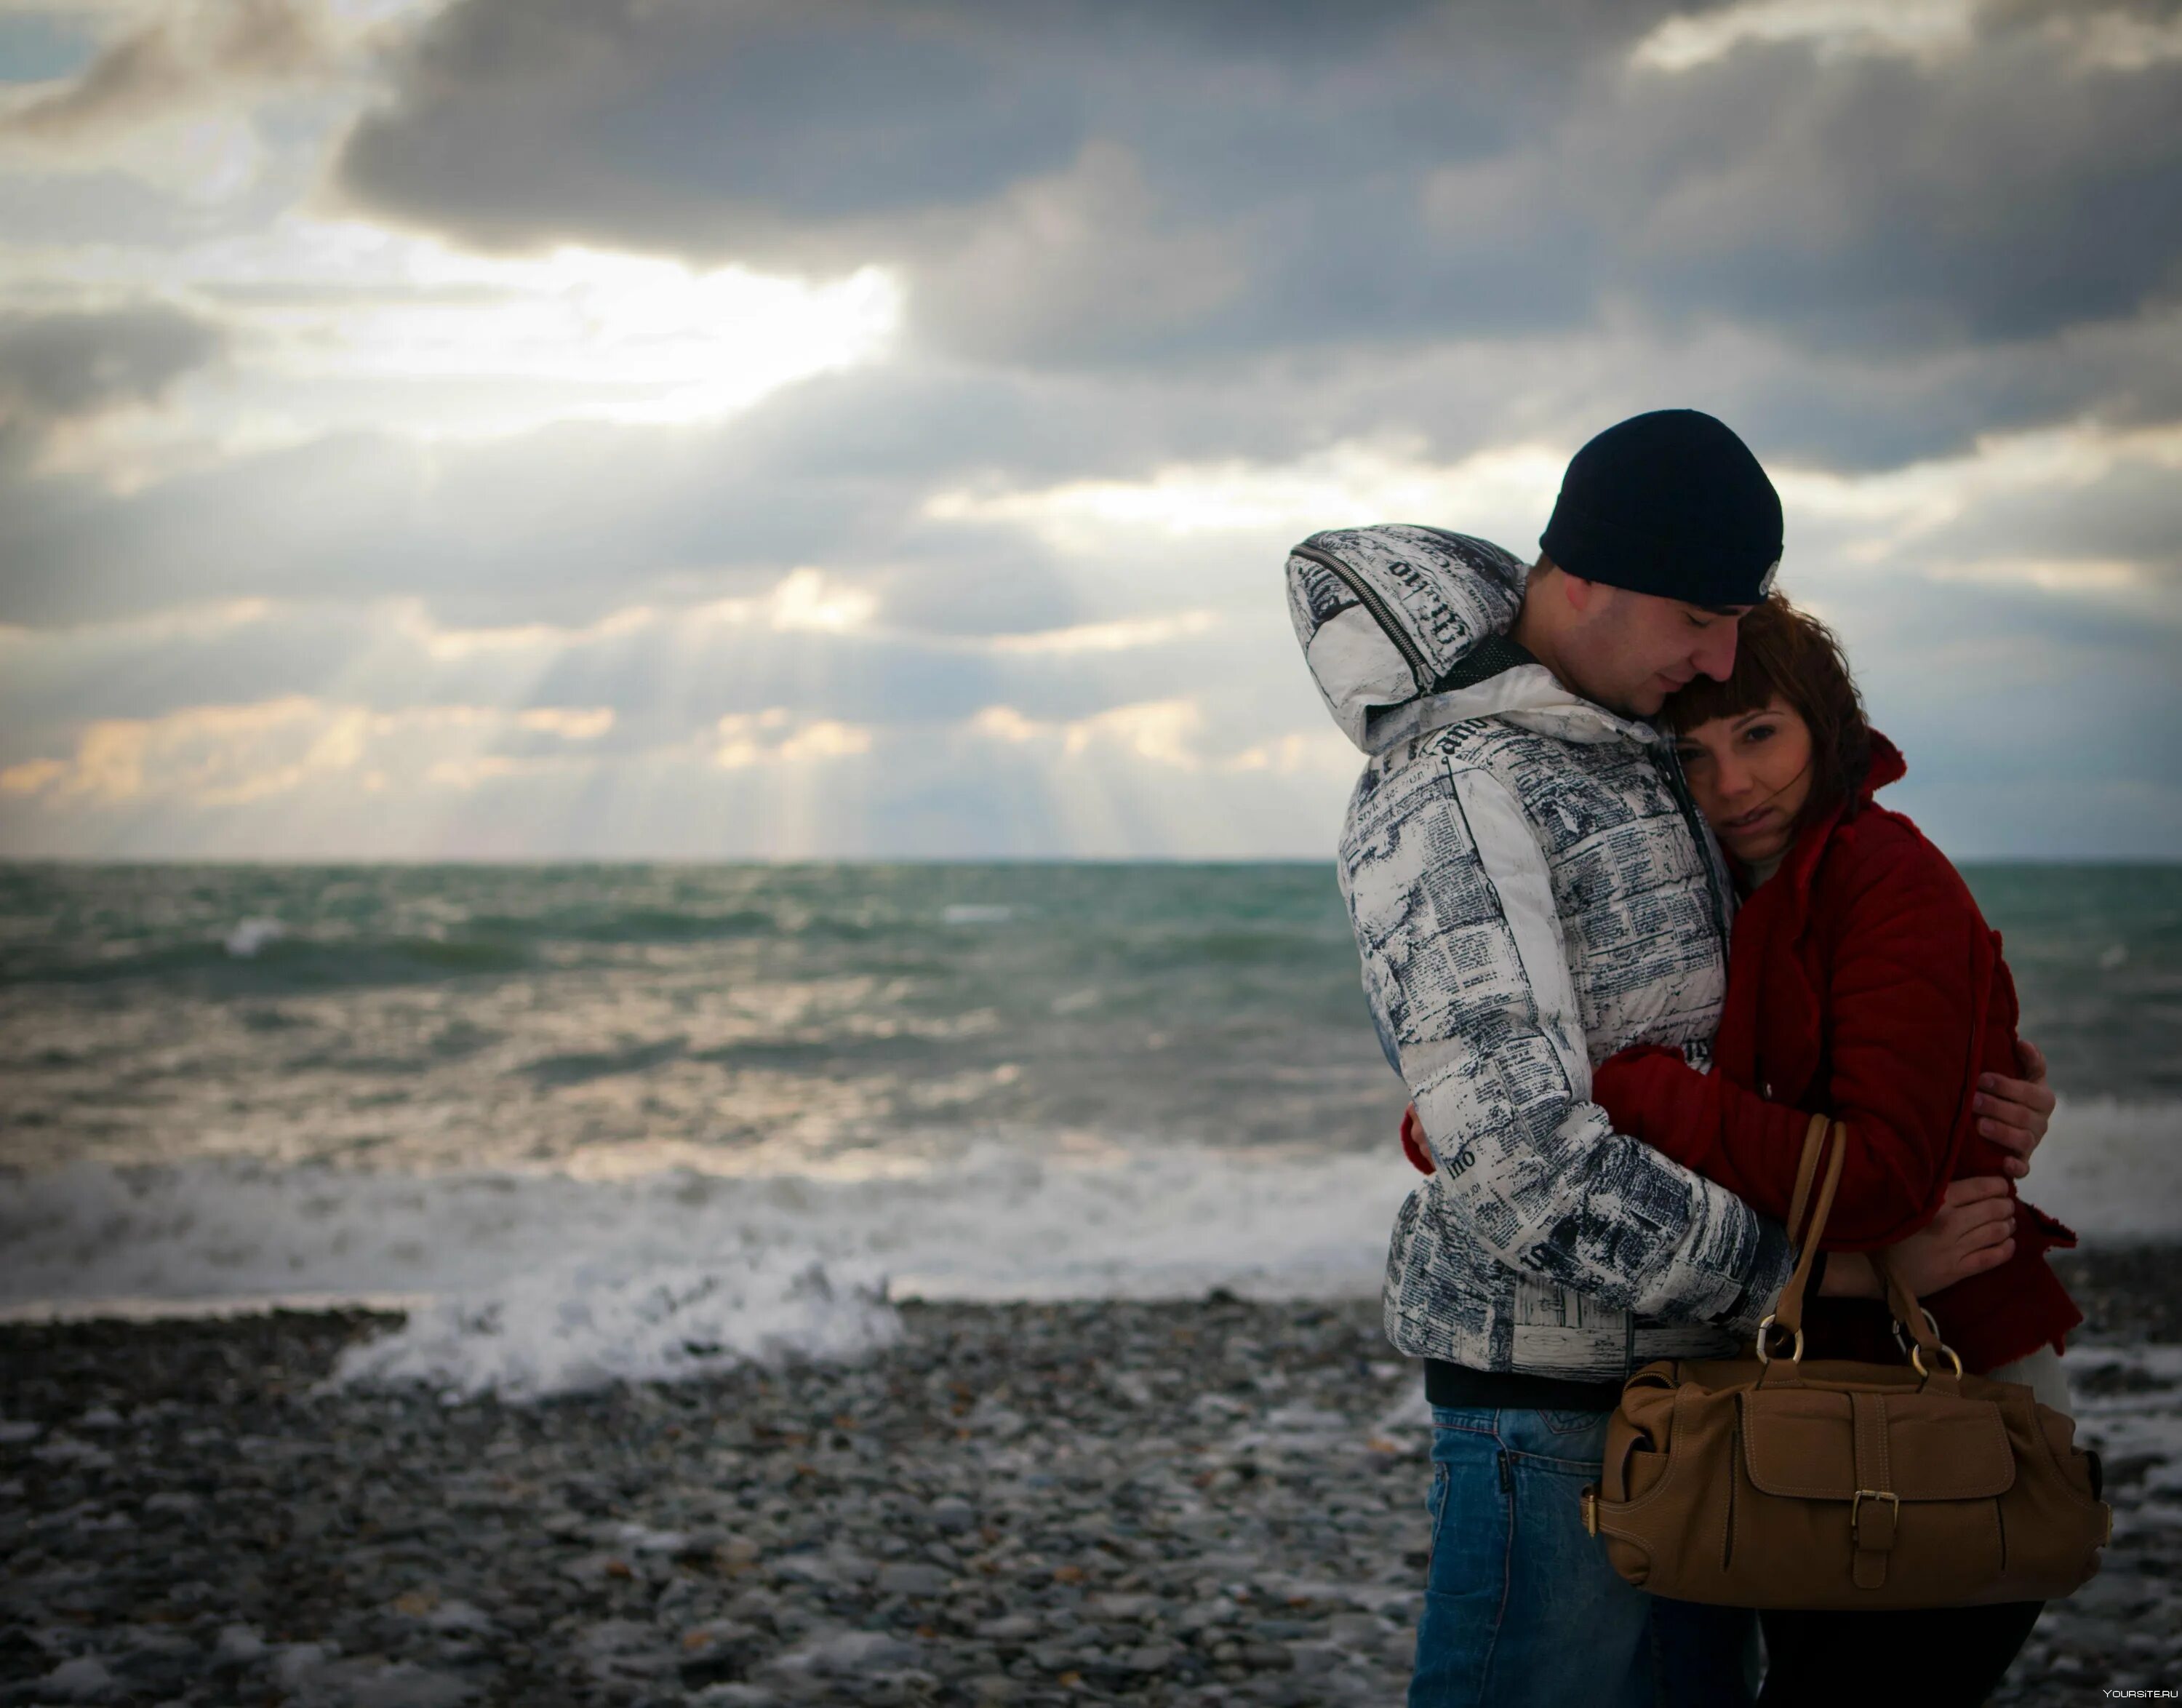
[{"x": 1780, "y": 650}]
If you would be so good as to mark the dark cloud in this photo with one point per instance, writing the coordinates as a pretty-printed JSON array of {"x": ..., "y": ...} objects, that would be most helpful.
[
  {"x": 1070, "y": 184},
  {"x": 182, "y": 58},
  {"x": 1064, "y": 180},
  {"x": 59, "y": 368},
  {"x": 2006, "y": 193},
  {"x": 769, "y": 129}
]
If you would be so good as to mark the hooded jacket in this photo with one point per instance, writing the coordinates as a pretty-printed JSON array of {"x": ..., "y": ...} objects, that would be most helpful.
[
  {"x": 1532, "y": 891},
  {"x": 1865, "y": 982}
]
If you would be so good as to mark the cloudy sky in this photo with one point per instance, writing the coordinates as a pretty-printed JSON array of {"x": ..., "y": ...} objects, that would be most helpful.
[{"x": 734, "y": 428}]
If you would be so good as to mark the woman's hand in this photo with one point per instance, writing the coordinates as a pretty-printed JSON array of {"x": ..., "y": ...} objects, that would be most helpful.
[
  {"x": 1974, "y": 1232},
  {"x": 2013, "y": 1113},
  {"x": 1413, "y": 1143}
]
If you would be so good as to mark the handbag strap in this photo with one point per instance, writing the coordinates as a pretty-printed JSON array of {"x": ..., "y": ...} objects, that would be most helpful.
[
  {"x": 1788, "y": 1312},
  {"x": 1901, "y": 1298},
  {"x": 1814, "y": 1141},
  {"x": 1924, "y": 1330}
]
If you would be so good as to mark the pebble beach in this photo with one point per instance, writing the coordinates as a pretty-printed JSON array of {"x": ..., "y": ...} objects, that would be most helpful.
[{"x": 1206, "y": 1501}]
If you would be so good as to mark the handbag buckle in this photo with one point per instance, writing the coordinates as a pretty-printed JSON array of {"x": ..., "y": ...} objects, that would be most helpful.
[
  {"x": 1856, "y": 1509},
  {"x": 1591, "y": 1511}
]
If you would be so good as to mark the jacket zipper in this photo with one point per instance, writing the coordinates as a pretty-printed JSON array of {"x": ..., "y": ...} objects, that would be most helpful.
[
  {"x": 1680, "y": 787},
  {"x": 1380, "y": 612}
]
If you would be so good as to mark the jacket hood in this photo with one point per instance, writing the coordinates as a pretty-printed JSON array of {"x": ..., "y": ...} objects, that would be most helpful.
[
  {"x": 1887, "y": 766},
  {"x": 1403, "y": 628}
]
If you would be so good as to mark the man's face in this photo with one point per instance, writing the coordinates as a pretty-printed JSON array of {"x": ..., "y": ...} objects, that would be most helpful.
[{"x": 1630, "y": 651}]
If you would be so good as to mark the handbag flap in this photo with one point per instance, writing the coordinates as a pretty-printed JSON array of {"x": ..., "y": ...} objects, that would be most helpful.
[{"x": 1802, "y": 1442}]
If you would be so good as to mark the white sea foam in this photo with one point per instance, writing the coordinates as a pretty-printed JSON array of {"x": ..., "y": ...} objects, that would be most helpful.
[
  {"x": 1000, "y": 1221},
  {"x": 583, "y": 1326},
  {"x": 251, "y": 936},
  {"x": 527, "y": 1282},
  {"x": 2112, "y": 1171},
  {"x": 976, "y": 914}
]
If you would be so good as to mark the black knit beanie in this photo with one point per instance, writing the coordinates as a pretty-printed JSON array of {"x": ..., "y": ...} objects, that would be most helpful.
[{"x": 1670, "y": 503}]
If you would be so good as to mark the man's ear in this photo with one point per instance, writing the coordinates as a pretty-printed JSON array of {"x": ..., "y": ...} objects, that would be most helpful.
[{"x": 1580, "y": 592}]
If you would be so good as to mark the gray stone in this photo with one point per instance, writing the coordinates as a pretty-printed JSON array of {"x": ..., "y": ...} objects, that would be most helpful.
[
  {"x": 83, "y": 1679},
  {"x": 365, "y": 1684},
  {"x": 2110, "y": 1593},
  {"x": 719, "y": 1651},
  {"x": 238, "y": 1645},
  {"x": 846, "y": 1653},
  {"x": 953, "y": 1514},
  {"x": 907, "y": 1578}
]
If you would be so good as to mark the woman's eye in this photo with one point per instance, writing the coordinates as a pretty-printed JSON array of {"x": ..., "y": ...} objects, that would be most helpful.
[{"x": 1759, "y": 732}]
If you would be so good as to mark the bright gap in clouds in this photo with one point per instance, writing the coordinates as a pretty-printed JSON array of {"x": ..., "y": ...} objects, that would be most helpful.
[
  {"x": 584, "y": 331},
  {"x": 347, "y": 324},
  {"x": 2114, "y": 39},
  {"x": 1352, "y": 483},
  {"x": 1836, "y": 521},
  {"x": 1911, "y": 28}
]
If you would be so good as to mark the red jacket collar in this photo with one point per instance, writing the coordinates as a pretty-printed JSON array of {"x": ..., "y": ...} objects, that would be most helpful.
[{"x": 1887, "y": 766}]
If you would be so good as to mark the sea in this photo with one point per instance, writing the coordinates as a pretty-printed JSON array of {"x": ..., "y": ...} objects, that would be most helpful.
[{"x": 589, "y": 1121}]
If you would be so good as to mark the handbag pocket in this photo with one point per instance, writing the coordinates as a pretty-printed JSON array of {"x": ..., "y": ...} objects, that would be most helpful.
[{"x": 1901, "y": 1490}]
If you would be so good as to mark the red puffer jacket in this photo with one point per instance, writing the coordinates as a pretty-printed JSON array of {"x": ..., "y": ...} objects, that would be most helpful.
[{"x": 1862, "y": 981}]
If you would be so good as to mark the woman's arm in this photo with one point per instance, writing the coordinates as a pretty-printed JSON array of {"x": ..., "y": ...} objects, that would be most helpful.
[
  {"x": 1975, "y": 1231},
  {"x": 2015, "y": 1114}
]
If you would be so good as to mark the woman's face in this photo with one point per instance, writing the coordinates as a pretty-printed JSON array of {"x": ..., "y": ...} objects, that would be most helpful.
[{"x": 1751, "y": 775}]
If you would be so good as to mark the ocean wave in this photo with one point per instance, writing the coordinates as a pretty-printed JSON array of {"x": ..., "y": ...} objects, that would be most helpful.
[
  {"x": 250, "y": 937},
  {"x": 581, "y": 1326},
  {"x": 259, "y": 955},
  {"x": 529, "y": 1281},
  {"x": 1044, "y": 1216},
  {"x": 2112, "y": 1170}
]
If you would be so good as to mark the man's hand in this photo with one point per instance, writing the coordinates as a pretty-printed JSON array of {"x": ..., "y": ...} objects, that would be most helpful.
[
  {"x": 1413, "y": 1143},
  {"x": 1974, "y": 1232},
  {"x": 2013, "y": 1113}
]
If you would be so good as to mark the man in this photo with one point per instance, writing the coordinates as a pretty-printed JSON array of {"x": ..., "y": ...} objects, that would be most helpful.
[{"x": 1532, "y": 890}]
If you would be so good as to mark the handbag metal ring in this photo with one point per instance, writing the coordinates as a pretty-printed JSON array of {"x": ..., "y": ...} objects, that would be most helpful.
[
  {"x": 1765, "y": 1356},
  {"x": 1931, "y": 1322},
  {"x": 1917, "y": 1357}
]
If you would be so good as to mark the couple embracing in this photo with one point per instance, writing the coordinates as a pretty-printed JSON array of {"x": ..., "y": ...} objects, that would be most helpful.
[{"x": 1630, "y": 917}]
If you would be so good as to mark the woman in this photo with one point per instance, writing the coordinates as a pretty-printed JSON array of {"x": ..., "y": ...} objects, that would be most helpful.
[{"x": 1863, "y": 983}]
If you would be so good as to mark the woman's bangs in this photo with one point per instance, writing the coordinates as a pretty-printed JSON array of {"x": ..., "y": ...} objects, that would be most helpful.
[{"x": 1750, "y": 687}]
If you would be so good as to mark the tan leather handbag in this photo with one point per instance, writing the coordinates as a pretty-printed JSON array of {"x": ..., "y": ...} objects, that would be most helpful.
[{"x": 1766, "y": 1481}]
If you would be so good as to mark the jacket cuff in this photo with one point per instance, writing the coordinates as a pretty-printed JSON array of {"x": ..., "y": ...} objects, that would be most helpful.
[{"x": 1773, "y": 1263}]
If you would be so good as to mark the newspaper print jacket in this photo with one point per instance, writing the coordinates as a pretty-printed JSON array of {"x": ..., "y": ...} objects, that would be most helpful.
[{"x": 1532, "y": 890}]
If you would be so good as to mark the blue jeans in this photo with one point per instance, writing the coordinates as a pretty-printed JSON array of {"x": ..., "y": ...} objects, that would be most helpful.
[{"x": 1522, "y": 1609}]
